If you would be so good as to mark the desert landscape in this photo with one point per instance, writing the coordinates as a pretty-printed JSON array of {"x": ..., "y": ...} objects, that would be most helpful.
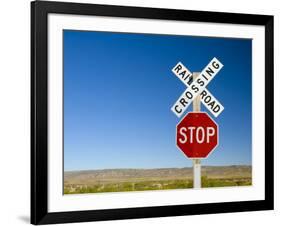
[{"x": 118, "y": 180}]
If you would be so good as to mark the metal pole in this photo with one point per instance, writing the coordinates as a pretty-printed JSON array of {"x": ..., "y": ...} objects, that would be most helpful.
[
  {"x": 196, "y": 173},
  {"x": 196, "y": 162}
]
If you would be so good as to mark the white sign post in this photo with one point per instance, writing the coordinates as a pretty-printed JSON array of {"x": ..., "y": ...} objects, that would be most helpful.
[
  {"x": 196, "y": 162},
  {"x": 196, "y": 173}
]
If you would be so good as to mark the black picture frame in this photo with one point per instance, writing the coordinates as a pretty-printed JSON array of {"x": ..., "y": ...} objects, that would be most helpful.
[{"x": 39, "y": 112}]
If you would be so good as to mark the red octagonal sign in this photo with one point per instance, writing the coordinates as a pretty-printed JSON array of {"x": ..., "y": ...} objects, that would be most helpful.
[{"x": 197, "y": 135}]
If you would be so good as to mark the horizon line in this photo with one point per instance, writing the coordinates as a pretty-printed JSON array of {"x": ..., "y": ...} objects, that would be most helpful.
[{"x": 128, "y": 168}]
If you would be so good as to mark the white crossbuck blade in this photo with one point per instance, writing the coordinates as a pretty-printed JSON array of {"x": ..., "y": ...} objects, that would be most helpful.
[{"x": 197, "y": 87}]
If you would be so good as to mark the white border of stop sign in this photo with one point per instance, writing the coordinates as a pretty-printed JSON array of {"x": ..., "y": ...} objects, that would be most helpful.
[{"x": 217, "y": 135}]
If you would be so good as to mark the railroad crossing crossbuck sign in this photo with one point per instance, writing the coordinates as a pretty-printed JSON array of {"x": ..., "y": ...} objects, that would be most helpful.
[
  {"x": 197, "y": 134},
  {"x": 198, "y": 86}
]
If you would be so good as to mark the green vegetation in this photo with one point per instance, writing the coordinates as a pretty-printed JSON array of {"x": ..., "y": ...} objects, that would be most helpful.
[
  {"x": 120, "y": 180},
  {"x": 225, "y": 182},
  {"x": 153, "y": 185}
]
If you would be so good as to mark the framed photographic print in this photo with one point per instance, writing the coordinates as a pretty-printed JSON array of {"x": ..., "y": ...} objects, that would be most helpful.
[{"x": 145, "y": 112}]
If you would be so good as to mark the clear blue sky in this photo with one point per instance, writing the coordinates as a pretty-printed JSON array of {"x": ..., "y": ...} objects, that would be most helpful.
[{"x": 119, "y": 88}]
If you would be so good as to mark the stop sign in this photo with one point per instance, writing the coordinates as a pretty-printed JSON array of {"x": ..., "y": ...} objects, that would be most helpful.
[{"x": 197, "y": 135}]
